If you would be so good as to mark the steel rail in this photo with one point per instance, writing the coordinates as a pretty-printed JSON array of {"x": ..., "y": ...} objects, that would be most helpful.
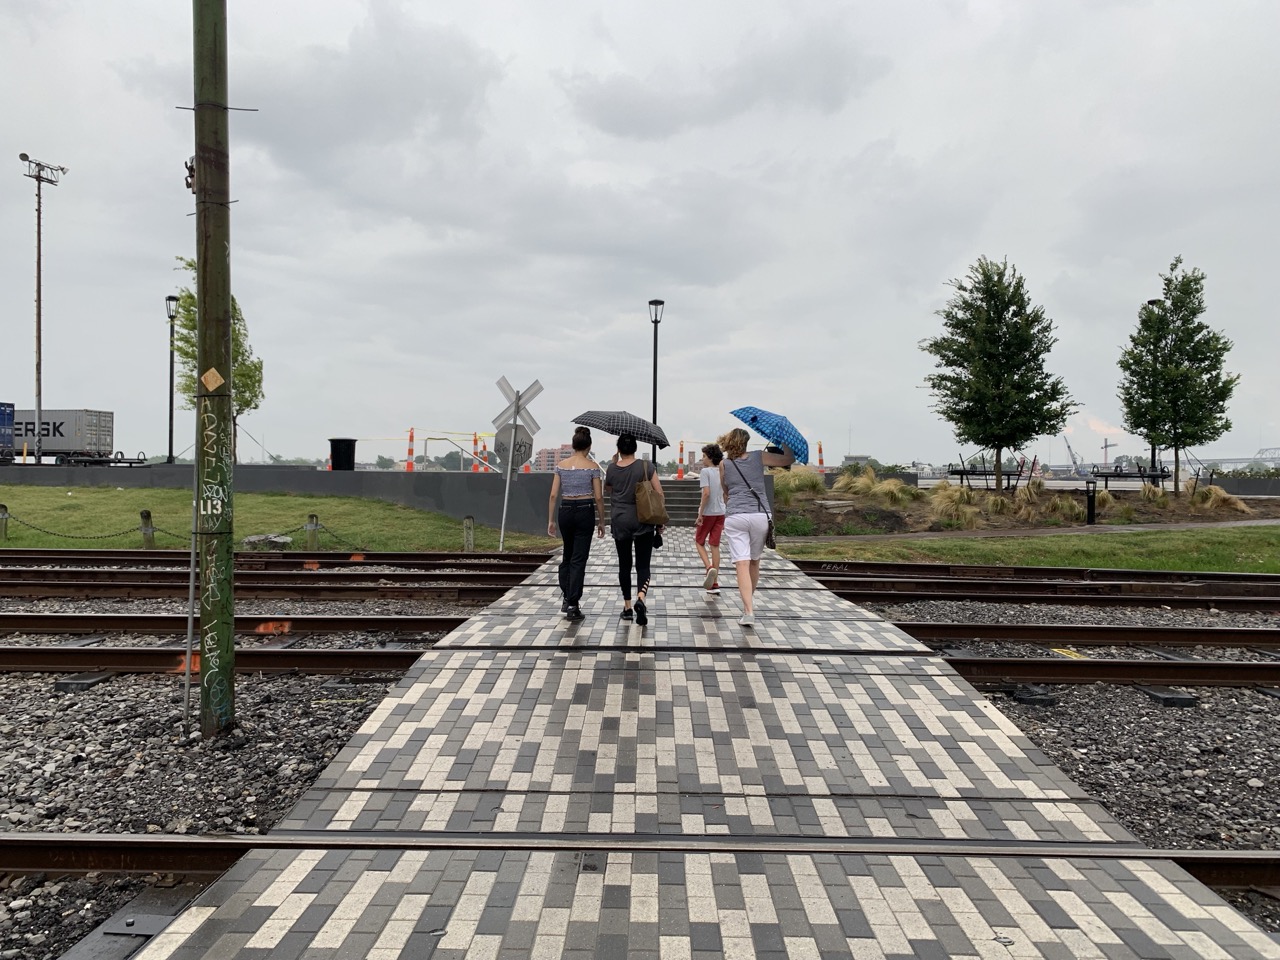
[
  {"x": 975, "y": 668},
  {"x": 296, "y": 559},
  {"x": 908, "y": 593},
  {"x": 877, "y": 568},
  {"x": 510, "y": 575},
  {"x": 969, "y": 633},
  {"x": 1141, "y": 588},
  {"x": 175, "y": 624},
  {"x": 172, "y": 659},
  {"x": 1090, "y": 635},
  {"x": 257, "y": 590},
  {"x": 205, "y": 855}
]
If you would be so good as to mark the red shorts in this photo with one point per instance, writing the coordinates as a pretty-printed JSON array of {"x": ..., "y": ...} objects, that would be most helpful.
[{"x": 709, "y": 528}]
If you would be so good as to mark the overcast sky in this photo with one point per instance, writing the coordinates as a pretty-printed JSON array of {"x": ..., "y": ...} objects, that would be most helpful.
[{"x": 431, "y": 196}]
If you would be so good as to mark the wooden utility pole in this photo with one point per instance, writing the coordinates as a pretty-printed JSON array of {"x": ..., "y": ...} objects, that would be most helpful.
[{"x": 214, "y": 426}]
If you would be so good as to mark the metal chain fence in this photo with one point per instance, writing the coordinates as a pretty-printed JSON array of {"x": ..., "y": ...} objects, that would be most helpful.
[
  {"x": 72, "y": 536},
  {"x": 182, "y": 537},
  {"x": 353, "y": 546}
]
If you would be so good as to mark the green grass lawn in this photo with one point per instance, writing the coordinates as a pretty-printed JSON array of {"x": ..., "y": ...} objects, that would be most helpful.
[
  {"x": 1239, "y": 549},
  {"x": 82, "y": 517}
]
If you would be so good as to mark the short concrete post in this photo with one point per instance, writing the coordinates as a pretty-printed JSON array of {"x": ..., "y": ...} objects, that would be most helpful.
[
  {"x": 468, "y": 534},
  {"x": 312, "y": 526},
  {"x": 148, "y": 531},
  {"x": 4, "y": 522}
]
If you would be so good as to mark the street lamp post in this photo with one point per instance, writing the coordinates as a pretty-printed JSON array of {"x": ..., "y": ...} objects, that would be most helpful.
[
  {"x": 1159, "y": 480},
  {"x": 171, "y": 311},
  {"x": 41, "y": 173},
  {"x": 655, "y": 314}
]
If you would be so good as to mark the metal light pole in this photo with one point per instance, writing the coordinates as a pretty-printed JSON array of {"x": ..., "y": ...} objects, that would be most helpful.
[
  {"x": 1159, "y": 483},
  {"x": 41, "y": 173},
  {"x": 655, "y": 314},
  {"x": 171, "y": 311}
]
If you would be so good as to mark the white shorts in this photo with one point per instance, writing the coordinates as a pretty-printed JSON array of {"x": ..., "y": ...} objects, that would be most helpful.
[{"x": 745, "y": 533}]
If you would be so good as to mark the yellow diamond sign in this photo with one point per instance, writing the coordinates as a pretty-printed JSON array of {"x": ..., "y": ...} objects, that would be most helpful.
[{"x": 212, "y": 380}]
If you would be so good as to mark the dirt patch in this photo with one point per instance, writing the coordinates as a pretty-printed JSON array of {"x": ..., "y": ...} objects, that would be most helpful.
[{"x": 842, "y": 514}]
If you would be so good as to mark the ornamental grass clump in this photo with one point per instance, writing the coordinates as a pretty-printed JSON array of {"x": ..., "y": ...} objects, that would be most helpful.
[
  {"x": 997, "y": 506},
  {"x": 1151, "y": 492},
  {"x": 799, "y": 479},
  {"x": 896, "y": 492},
  {"x": 949, "y": 503},
  {"x": 1104, "y": 499},
  {"x": 860, "y": 484},
  {"x": 1215, "y": 498}
]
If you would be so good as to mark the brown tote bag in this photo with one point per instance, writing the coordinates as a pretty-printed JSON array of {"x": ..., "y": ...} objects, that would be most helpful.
[{"x": 651, "y": 506}]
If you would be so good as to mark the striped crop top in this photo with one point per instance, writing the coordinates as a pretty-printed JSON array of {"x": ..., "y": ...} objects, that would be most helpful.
[{"x": 576, "y": 482}]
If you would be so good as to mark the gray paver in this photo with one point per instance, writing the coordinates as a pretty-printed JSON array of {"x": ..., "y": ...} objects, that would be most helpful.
[{"x": 822, "y": 722}]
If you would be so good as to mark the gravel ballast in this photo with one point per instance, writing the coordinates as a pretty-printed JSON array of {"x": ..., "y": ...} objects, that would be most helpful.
[{"x": 115, "y": 758}]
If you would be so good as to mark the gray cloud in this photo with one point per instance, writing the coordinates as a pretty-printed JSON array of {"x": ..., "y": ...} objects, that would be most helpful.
[{"x": 818, "y": 67}]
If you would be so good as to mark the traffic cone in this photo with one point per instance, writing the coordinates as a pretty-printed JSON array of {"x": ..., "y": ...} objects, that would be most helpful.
[
  {"x": 526, "y": 468},
  {"x": 820, "y": 456},
  {"x": 680, "y": 464},
  {"x": 408, "y": 464},
  {"x": 475, "y": 453}
]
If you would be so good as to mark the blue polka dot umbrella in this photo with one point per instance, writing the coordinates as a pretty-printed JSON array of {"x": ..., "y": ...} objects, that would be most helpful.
[{"x": 775, "y": 428}]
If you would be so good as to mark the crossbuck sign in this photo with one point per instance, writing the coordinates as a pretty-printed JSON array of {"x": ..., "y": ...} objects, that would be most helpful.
[{"x": 513, "y": 421}]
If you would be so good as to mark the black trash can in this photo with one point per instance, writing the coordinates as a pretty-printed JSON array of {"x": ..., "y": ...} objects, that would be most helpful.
[{"x": 342, "y": 453}]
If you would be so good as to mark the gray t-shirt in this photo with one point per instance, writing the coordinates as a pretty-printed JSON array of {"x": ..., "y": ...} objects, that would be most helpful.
[
  {"x": 709, "y": 480},
  {"x": 621, "y": 481},
  {"x": 737, "y": 474}
]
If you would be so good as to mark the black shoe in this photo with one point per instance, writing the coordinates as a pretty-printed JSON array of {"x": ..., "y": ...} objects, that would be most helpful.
[
  {"x": 574, "y": 614},
  {"x": 565, "y": 607},
  {"x": 626, "y": 614},
  {"x": 642, "y": 613}
]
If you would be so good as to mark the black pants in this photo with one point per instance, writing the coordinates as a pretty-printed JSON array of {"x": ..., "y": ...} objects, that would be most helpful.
[
  {"x": 643, "y": 551},
  {"x": 577, "y": 519}
]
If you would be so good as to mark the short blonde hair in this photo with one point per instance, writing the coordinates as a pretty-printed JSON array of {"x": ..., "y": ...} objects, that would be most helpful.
[{"x": 734, "y": 443}]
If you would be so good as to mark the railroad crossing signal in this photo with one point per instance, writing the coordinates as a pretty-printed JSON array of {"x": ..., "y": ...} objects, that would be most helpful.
[
  {"x": 517, "y": 406},
  {"x": 515, "y": 428}
]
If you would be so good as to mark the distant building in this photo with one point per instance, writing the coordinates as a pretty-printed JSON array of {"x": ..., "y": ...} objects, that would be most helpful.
[
  {"x": 546, "y": 458},
  {"x": 855, "y": 459}
]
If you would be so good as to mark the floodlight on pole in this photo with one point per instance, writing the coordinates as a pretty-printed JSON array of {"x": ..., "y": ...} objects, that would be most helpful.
[
  {"x": 41, "y": 173},
  {"x": 171, "y": 311},
  {"x": 655, "y": 314}
]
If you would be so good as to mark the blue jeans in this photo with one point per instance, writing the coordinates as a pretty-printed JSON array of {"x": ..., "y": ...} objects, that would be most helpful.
[{"x": 577, "y": 519}]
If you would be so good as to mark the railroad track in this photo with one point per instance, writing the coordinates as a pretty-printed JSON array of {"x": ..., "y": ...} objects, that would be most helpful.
[
  {"x": 63, "y": 853},
  {"x": 293, "y": 560},
  {"x": 975, "y": 668},
  {"x": 959, "y": 571}
]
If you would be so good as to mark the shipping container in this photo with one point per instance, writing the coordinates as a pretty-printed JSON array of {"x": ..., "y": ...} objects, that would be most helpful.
[
  {"x": 66, "y": 433},
  {"x": 6, "y": 431}
]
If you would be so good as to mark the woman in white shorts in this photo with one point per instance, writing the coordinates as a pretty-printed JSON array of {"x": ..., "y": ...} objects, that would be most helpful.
[{"x": 746, "y": 519}]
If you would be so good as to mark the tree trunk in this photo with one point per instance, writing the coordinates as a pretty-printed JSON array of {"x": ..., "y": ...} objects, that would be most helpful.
[
  {"x": 1177, "y": 487},
  {"x": 999, "y": 465}
]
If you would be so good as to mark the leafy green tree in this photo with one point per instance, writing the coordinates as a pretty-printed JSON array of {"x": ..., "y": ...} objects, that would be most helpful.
[
  {"x": 246, "y": 369},
  {"x": 991, "y": 383},
  {"x": 1174, "y": 391},
  {"x": 384, "y": 462}
]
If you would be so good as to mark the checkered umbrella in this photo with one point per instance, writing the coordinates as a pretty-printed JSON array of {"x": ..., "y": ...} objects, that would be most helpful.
[
  {"x": 618, "y": 422},
  {"x": 774, "y": 427}
]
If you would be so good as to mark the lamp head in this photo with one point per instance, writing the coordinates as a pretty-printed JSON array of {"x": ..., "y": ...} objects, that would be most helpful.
[
  {"x": 171, "y": 306},
  {"x": 655, "y": 310}
]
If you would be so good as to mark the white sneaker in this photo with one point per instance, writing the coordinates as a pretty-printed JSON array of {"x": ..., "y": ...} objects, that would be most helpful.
[
  {"x": 712, "y": 576},
  {"x": 747, "y": 620},
  {"x": 714, "y": 589}
]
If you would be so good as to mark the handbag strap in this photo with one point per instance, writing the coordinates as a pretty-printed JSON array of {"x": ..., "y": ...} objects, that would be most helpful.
[{"x": 759, "y": 502}]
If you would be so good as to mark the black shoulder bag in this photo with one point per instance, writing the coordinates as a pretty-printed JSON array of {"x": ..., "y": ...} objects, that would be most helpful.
[{"x": 768, "y": 536}]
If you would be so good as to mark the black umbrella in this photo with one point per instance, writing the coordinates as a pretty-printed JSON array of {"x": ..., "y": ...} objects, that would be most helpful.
[{"x": 618, "y": 422}]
